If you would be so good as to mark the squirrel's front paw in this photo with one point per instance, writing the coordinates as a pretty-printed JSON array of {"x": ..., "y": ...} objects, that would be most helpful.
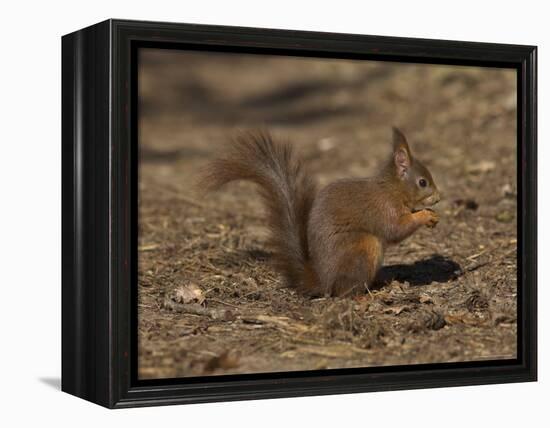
[{"x": 429, "y": 218}]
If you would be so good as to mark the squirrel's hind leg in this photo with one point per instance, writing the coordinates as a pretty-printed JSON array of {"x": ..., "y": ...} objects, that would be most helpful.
[{"x": 357, "y": 267}]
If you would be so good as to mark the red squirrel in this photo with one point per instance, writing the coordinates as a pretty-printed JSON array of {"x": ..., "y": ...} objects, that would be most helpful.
[{"x": 329, "y": 242}]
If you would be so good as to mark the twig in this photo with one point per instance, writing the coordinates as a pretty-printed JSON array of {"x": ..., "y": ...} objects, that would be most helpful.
[
  {"x": 193, "y": 309},
  {"x": 475, "y": 256},
  {"x": 221, "y": 302},
  {"x": 368, "y": 289},
  {"x": 474, "y": 266}
]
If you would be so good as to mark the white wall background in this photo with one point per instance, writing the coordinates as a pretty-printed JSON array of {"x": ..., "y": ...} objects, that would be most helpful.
[{"x": 30, "y": 210}]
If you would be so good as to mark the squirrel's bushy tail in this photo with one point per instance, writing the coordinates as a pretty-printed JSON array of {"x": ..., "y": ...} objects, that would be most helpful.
[{"x": 287, "y": 192}]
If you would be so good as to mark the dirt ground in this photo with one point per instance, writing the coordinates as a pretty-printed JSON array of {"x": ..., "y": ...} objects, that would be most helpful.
[{"x": 209, "y": 302}]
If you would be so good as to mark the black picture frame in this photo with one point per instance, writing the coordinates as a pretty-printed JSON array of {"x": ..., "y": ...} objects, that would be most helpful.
[{"x": 99, "y": 221}]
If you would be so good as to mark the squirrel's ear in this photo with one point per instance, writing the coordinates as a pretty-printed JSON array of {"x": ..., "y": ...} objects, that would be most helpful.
[{"x": 401, "y": 153}]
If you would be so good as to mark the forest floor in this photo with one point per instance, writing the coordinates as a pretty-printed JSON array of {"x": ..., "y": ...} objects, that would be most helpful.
[{"x": 209, "y": 301}]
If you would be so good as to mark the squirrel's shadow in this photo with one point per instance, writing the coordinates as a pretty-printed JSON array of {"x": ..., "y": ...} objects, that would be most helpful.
[
  {"x": 436, "y": 268},
  {"x": 423, "y": 272}
]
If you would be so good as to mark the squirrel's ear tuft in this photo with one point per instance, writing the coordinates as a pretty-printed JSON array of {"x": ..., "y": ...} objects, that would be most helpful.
[
  {"x": 401, "y": 153},
  {"x": 400, "y": 141}
]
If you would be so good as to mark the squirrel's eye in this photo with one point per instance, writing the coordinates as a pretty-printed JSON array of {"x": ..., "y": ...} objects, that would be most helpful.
[{"x": 422, "y": 182}]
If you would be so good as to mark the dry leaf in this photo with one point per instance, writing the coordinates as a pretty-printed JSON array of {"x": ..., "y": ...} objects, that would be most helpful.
[
  {"x": 424, "y": 298},
  {"x": 224, "y": 361},
  {"x": 396, "y": 309},
  {"x": 463, "y": 318},
  {"x": 501, "y": 318},
  {"x": 507, "y": 191},
  {"x": 189, "y": 293}
]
